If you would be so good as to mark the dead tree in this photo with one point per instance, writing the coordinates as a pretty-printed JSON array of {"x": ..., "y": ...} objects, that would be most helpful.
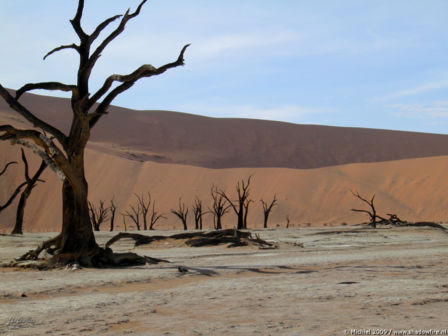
[
  {"x": 182, "y": 213},
  {"x": 241, "y": 205},
  {"x": 30, "y": 184},
  {"x": 267, "y": 209},
  {"x": 374, "y": 218},
  {"x": 98, "y": 215},
  {"x": 155, "y": 216},
  {"x": 134, "y": 215},
  {"x": 112, "y": 210},
  {"x": 144, "y": 208},
  {"x": 288, "y": 221},
  {"x": 16, "y": 191},
  {"x": 64, "y": 153},
  {"x": 246, "y": 212},
  {"x": 198, "y": 213},
  {"x": 219, "y": 208}
]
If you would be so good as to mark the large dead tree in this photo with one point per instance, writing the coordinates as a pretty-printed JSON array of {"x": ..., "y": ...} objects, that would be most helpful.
[
  {"x": 16, "y": 191},
  {"x": 182, "y": 213},
  {"x": 219, "y": 208},
  {"x": 64, "y": 153},
  {"x": 30, "y": 184},
  {"x": 241, "y": 205},
  {"x": 267, "y": 208}
]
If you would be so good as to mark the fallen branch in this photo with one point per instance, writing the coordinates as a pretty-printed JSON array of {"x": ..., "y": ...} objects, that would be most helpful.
[{"x": 198, "y": 239}]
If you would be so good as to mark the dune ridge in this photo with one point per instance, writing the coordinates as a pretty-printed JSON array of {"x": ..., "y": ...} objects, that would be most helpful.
[
  {"x": 175, "y": 155},
  {"x": 173, "y": 137}
]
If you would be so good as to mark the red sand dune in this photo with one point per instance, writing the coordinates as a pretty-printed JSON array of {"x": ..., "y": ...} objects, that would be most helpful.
[
  {"x": 414, "y": 187},
  {"x": 172, "y": 137}
]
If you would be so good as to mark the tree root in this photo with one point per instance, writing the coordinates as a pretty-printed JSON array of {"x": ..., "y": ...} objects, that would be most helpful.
[
  {"x": 95, "y": 257},
  {"x": 197, "y": 239}
]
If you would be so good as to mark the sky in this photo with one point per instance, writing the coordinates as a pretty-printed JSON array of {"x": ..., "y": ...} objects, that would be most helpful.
[{"x": 358, "y": 63}]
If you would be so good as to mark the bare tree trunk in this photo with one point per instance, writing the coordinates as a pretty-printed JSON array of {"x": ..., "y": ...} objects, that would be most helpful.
[
  {"x": 77, "y": 235},
  {"x": 113, "y": 209},
  {"x": 30, "y": 184},
  {"x": 267, "y": 210}
]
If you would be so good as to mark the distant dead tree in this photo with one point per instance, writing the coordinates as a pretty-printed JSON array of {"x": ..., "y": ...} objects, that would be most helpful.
[
  {"x": 112, "y": 210},
  {"x": 267, "y": 209},
  {"x": 16, "y": 191},
  {"x": 134, "y": 215},
  {"x": 124, "y": 221},
  {"x": 288, "y": 221},
  {"x": 98, "y": 215},
  {"x": 374, "y": 218},
  {"x": 219, "y": 208},
  {"x": 241, "y": 205},
  {"x": 181, "y": 212},
  {"x": 30, "y": 183},
  {"x": 198, "y": 213},
  {"x": 144, "y": 208},
  {"x": 155, "y": 216}
]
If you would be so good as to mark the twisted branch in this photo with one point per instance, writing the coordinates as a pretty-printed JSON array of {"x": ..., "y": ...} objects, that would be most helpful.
[{"x": 50, "y": 86}]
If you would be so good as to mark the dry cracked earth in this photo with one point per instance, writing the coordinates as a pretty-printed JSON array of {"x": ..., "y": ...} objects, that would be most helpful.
[{"x": 320, "y": 281}]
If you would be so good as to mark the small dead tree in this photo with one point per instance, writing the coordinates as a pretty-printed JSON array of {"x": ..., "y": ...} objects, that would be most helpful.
[
  {"x": 30, "y": 184},
  {"x": 241, "y": 205},
  {"x": 374, "y": 218},
  {"x": 267, "y": 209},
  {"x": 219, "y": 208},
  {"x": 98, "y": 215},
  {"x": 144, "y": 208},
  {"x": 124, "y": 221},
  {"x": 181, "y": 213},
  {"x": 16, "y": 191},
  {"x": 155, "y": 216},
  {"x": 288, "y": 221},
  {"x": 134, "y": 215},
  {"x": 112, "y": 210},
  {"x": 198, "y": 213}
]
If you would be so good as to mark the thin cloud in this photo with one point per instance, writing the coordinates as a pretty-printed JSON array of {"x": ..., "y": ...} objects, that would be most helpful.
[
  {"x": 413, "y": 91},
  {"x": 288, "y": 113},
  {"x": 213, "y": 46},
  {"x": 435, "y": 110}
]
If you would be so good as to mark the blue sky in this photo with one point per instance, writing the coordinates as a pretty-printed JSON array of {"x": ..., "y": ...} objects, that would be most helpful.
[{"x": 361, "y": 63}]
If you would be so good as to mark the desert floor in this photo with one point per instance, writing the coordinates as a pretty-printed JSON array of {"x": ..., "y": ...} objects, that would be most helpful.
[{"x": 320, "y": 281}]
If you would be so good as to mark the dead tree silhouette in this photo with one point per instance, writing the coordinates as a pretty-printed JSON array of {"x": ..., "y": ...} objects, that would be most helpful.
[{"x": 64, "y": 153}]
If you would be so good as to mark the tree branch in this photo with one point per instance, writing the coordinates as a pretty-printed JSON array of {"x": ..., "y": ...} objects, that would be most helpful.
[
  {"x": 39, "y": 144},
  {"x": 102, "y": 26},
  {"x": 62, "y": 47},
  {"x": 76, "y": 21},
  {"x": 13, "y": 196},
  {"x": 146, "y": 70},
  {"x": 35, "y": 121},
  {"x": 50, "y": 86},
  {"x": 126, "y": 17},
  {"x": 6, "y": 167}
]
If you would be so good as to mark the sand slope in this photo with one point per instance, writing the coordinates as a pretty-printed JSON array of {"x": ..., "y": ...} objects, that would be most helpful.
[
  {"x": 415, "y": 189},
  {"x": 171, "y": 137}
]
